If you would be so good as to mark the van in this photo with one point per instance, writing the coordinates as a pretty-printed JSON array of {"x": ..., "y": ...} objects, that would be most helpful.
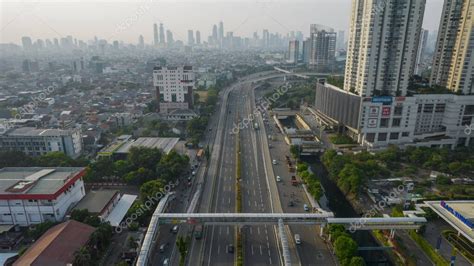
[
  {"x": 297, "y": 239},
  {"x": 306, "y": 208},
  {"x": 278, "y": 178}
]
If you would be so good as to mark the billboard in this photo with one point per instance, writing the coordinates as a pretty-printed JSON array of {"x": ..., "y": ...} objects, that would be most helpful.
[
  {"x": 382, "y": 99},
  {"x": 386, "y": 111},
  {"x": 373, "y": 111}
]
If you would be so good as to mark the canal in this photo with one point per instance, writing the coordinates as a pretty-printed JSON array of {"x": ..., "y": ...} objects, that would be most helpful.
[{"x": 335, "y": 201}]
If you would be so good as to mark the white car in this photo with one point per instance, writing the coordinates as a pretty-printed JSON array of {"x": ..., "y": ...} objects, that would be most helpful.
[
  {"x": 297, "y": 239},
  {"x": 274, "y": 162},
  {"x": 278, "y": 178}
]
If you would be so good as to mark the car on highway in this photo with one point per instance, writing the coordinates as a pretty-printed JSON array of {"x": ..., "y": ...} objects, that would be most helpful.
[
  {"x": 291, "y": 204},
  {"x": 230, "y": 248},
  {"x": 175, "y": 229},
  {"x": 306, "y": 208},
  {"x": 278, "y": 178},
  {"x": 166, "y": 262},
  {"x": 274, "y": 162},
  {"x": 297, "y": 239},
  {"x": 162, "y": 248}
]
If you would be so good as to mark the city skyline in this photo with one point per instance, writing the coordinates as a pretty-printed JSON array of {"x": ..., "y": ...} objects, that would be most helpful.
[{"x": 129, "y": 20}]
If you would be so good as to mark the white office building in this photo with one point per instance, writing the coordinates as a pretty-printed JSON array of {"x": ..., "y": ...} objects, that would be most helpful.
[
  {"x": 33, "y": 195},
  {"x": 174, "y": 87},
  {"x": 36, "y": 142}
]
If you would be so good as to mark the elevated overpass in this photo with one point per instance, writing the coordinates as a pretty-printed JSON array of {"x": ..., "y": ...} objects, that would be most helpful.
[{"x": 322, "y": 218}]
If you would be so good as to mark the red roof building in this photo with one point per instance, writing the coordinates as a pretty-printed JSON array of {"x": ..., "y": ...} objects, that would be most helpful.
[{"x": 56, "y": 247}]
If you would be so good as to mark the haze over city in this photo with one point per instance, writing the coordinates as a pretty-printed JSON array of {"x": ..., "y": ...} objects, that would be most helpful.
[{"x": 86, "y": 19}]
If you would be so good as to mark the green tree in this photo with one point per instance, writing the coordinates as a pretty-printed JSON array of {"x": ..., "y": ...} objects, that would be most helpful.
[
  {"x": 100, "y": 169},
  {"x": 80, "y": 215},
  {"x": 15, "y": 159},
  {"x": 38, "y": 230},
  {"x": 141, "y": 157},
  {"x": 295, "y": 151},
  {"x": 150, "y": 189},
  {"x": 357, "y": 261},
  {"x": 350, "y": 178},
  {"x": 345, "y": 247},
  {"x": 172, "y": 166},
  {"x": 443, "y": 180},
  {"x": 55, "y": 159},
  {"x": 122, "y": 167},
  {"x": 139, "y": 176},
  {"x": 182, "y": 245},
  {"x": 82, "y": 257}
]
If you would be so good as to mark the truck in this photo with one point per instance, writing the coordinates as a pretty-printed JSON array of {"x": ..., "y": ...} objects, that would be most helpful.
[
  {"x": 294, "y": 182},
  {"x": 198, "y": 231}
]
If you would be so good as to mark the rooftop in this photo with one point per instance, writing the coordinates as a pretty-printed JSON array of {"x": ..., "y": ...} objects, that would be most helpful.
[
  {"x": 35, "y": 180},
  {"x": 32, "y": 132},
  {"x": 96, "y": 200},
  {"x": 57, "y": 245},
  {"x": 164, "y": 144},
  {"x": 459, "y": 214}
]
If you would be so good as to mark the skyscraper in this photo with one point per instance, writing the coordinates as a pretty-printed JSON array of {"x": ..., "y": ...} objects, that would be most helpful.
[
  {"x": 340, "y": 44},
  {"x": 198, "y": 37},
  {"x": 293, "y": 52},
  {"x": 266, "y": 38},
  {"x": 421, "y": 51},
  {"x": 26, "y": 43},
  {"x": 190, "y": 37},
  {"x": 141, "y": 42},
  {"x": 383, "y": 41},
  {"x": 214, "y": 33},
  {"x": 221, "y": 31},
  {"x": 453, "y": 64},
  {"x": 306, "y": 50},
  {"x": 155, "y": 34},
  {"x": 162, "y": 34},
  {"x": 169, "y": 38},
  {"x": 323, "y": 48}
]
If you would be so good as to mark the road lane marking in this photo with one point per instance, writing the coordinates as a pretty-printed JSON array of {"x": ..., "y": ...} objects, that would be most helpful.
[
  {"x": 252, "y": 249},
  {"x": 258, "y": 229},
  {"x": 218, "y": 249},
  {"x": 261, "y": 253}
]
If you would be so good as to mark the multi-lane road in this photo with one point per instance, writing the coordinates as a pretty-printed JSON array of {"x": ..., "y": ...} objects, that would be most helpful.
[{"x": 260, "y": 191}]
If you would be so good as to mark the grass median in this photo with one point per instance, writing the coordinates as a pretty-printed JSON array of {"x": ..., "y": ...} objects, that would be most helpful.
[{"x": 239, "y": 251}]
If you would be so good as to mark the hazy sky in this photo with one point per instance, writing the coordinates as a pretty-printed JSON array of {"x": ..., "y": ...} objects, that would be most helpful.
[{"x": 126, "y": 20}]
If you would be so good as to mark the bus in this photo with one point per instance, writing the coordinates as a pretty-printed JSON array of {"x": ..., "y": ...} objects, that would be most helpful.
[{"x": 198, "y": 231}]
